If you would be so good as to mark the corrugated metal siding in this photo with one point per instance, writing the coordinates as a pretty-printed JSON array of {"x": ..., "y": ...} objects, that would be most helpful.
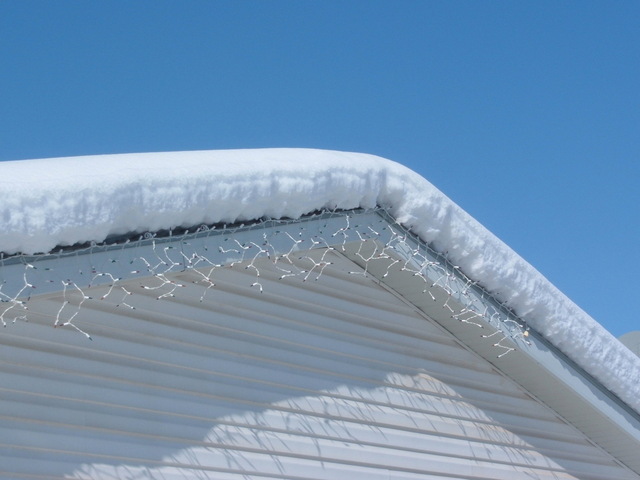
[{"x": 327, "y": 379}]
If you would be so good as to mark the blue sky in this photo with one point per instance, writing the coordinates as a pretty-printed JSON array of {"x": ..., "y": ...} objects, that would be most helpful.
[{"x": 527, "y": 114}]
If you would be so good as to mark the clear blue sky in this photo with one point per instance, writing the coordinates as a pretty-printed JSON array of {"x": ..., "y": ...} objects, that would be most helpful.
[{"x": 527, "y": 114}]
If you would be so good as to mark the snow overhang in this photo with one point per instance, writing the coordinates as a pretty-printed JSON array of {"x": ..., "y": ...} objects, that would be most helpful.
[{"x": 56, "y": 202}]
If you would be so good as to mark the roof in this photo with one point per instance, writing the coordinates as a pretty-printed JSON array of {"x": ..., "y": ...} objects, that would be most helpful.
[{"x": 57, "y": 202}]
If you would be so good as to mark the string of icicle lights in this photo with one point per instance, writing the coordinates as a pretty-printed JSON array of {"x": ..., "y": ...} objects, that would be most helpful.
[{"x": 381, "y": 246}]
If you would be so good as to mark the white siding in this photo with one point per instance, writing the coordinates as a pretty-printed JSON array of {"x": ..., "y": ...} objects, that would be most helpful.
[{"x": 328, "y": 379}]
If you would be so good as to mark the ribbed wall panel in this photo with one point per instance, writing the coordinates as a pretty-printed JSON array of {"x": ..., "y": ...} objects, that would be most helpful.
[{"x": 327, "y": 379}]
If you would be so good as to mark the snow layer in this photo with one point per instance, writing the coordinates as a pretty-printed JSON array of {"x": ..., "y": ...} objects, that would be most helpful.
[{"x": 51, "y": 202}]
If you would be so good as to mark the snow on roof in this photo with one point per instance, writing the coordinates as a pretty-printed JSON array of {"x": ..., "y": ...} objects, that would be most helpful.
[{"x": 63, "y": 201}]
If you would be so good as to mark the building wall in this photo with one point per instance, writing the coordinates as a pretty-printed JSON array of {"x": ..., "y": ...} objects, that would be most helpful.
[{"x": 323, "y": 377}]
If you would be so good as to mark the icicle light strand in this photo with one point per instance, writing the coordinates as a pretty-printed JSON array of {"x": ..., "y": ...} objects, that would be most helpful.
[{"x": 284, "y": 243}]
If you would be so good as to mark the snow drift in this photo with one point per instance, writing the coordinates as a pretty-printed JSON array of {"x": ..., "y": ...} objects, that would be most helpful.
[{"x": 54, "y": 202}]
